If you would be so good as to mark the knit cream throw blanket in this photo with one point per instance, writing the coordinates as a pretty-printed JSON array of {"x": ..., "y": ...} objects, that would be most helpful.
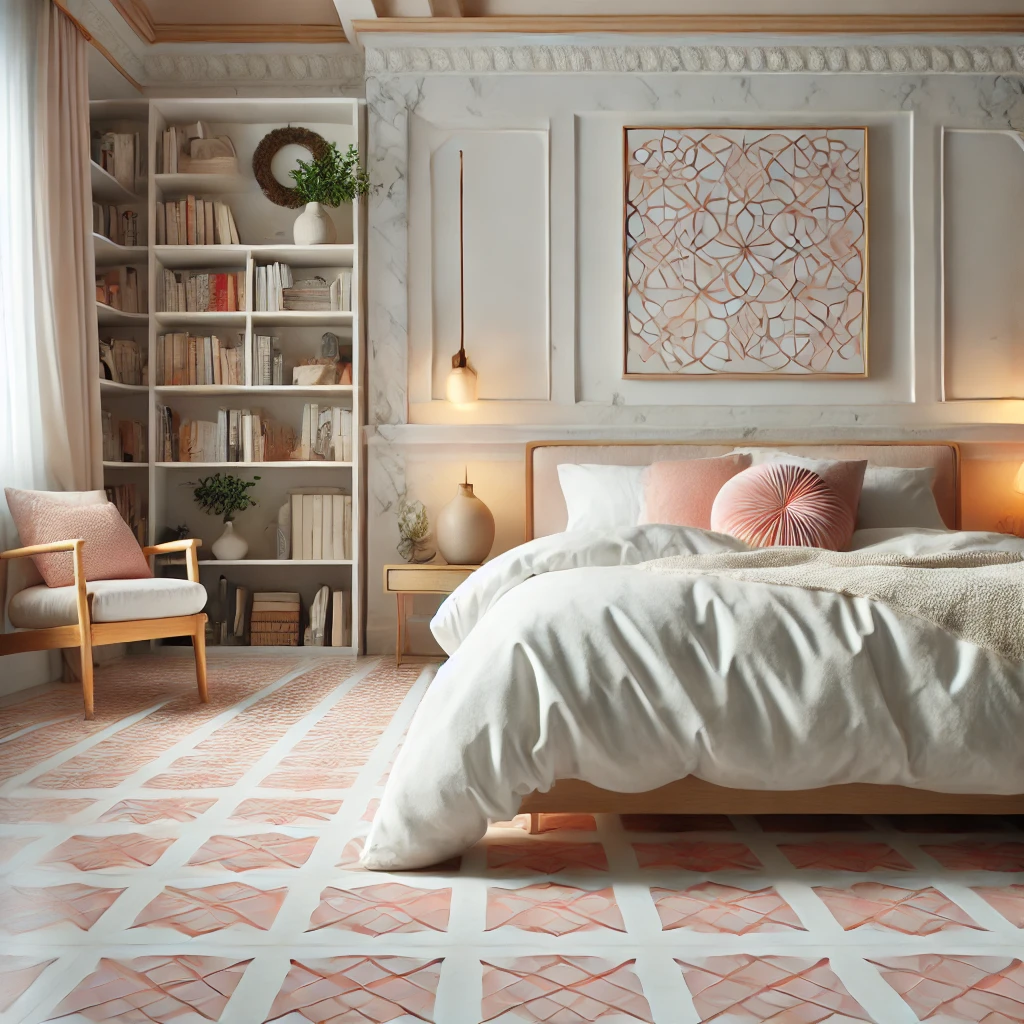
[{"x": 976, "y": 595}]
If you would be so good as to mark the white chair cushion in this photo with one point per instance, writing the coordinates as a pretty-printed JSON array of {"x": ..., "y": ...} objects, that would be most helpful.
[{"x": 112, "y": 601}]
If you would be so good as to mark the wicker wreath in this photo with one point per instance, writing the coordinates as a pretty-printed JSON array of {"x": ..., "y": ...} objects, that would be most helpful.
[{"x": 269, "y": 146}]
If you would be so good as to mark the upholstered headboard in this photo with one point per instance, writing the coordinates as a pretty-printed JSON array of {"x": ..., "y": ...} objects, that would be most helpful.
[{"x": 545, "y": 506}]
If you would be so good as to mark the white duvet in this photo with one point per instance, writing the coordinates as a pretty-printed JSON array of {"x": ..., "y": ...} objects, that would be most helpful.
[{"x": 568, "y": 662}]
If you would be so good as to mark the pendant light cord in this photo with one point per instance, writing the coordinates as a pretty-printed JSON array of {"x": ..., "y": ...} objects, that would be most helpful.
[{"x": 459, "y": 360}]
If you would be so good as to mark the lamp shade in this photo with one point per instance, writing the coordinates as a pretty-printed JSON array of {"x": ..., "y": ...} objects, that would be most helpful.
[
  {"x": 1018, "y": 480},
  {"x": 461, "y": 385}
]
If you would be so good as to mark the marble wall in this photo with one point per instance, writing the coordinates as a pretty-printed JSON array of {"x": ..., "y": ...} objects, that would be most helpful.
[{"x": 578, "y": 96}]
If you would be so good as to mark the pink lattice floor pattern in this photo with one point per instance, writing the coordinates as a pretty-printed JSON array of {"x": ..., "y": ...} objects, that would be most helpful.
[{"x": 175, "y": 863}]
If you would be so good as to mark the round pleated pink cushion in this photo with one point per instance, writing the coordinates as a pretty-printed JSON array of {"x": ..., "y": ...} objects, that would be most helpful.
[{"x": 779, "y": 504}]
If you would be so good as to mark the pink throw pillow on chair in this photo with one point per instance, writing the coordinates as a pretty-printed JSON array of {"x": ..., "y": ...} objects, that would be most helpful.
[
  {"x": 111, "y": 551},
  {"x": 782, "y": 504},
  {"x": 682, "y": 492}
]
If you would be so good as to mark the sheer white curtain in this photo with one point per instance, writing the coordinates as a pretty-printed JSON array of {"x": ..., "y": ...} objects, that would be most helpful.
[
  {"x": 49, "y": 387},
  {"x": 22, "y": 458}
]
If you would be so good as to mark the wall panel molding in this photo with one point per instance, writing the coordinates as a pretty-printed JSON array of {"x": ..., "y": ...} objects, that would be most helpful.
[{"x": 733, "y": 58}]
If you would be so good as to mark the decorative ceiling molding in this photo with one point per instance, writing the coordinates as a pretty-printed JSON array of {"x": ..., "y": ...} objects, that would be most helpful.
[
  {"x": 342, "y": 69},
  {"x": 708, "y": 24},
  {"x": 831, "y": 57}
]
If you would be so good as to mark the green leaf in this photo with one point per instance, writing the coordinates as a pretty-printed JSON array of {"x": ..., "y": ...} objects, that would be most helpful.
[{"x": 333, "y": 179}]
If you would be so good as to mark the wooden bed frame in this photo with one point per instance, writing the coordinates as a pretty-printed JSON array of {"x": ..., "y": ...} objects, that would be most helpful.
[{"x": 691, "y": 795}]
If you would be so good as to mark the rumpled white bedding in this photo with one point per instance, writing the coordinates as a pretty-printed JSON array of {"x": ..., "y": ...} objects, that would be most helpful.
[{"x": 567, "y": 662}]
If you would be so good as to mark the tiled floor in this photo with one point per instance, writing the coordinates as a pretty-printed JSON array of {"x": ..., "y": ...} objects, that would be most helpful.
[{"x": 177, "y": 863}]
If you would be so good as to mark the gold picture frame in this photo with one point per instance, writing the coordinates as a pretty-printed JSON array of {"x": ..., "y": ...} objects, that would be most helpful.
[{"x": 842, "y": 338}]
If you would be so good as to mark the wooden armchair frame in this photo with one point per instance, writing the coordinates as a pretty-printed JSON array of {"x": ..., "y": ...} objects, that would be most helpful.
[{"x": 88, "y": 634}]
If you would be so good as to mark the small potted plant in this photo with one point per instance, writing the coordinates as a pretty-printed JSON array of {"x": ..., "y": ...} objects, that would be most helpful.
[
  {"x": 329, "y": 180},
  {"x": 225, "y": 496},
  {"x": 414, "y": 531}
]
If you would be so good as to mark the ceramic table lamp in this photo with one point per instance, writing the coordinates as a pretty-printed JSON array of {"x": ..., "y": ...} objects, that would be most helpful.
[{"x": 465, "y": 528}]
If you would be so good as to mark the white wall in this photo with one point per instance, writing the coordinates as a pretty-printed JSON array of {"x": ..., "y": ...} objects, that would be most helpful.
[{"x": 553, "y": 367}]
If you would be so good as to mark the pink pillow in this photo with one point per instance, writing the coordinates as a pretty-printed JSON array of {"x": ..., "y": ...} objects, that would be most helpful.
[
  {"x": 681, "y": 493},
  {"x": 779, "y": 503},
  {"x": 111, "y": 551}
]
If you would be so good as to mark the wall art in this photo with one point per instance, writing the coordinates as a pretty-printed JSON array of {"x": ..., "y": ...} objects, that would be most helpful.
[{"x": 745, "y": 252}]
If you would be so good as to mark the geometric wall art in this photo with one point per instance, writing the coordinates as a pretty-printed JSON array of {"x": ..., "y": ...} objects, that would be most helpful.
[{"x": 745, "y": 252}]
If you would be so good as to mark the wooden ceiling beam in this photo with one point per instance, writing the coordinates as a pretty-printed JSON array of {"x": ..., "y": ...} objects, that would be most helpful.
[
  {"x": 137, "y": 17},
  {"x": 709, "y": 24},
  {"x": 249, "y": 33}
]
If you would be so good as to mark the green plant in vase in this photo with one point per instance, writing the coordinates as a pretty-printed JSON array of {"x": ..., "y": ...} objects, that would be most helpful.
[
  {"x": 329, "y": 180},
  {"x": 225, "y": 496}
]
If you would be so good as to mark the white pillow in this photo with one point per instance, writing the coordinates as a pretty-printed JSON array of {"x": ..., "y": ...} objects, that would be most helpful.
[
  {"x": 601, "y": 497},
  {"x": 898, "y": 497},
  {"x": 892, "y": 496}
]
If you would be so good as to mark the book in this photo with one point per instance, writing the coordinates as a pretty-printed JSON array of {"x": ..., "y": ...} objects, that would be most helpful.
[
  {"x": 318, "y": 526},
  {"x": 296, "y": 526},
  {"x": 341, "y": 619},
  {"x": 337, "y": 526},
  {"x": 307, "y": 526},
  {"x": 125, "y": 499},
  {"x": 123, "y": 360},
  {"x": 316, "y": 632},
  {"x": 119, "y": 154}
]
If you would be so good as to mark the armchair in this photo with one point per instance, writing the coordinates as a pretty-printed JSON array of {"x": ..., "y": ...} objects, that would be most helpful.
[{"x": 88, "y": 615}]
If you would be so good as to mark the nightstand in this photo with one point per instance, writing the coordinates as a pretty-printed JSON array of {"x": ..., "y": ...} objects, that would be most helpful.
[{"x": 405, "y": 581}]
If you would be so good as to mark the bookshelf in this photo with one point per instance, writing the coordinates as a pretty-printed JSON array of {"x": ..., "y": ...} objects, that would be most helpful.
[
  {"x": 123, "y": 402},
  {"x": 265, "y": 236}
]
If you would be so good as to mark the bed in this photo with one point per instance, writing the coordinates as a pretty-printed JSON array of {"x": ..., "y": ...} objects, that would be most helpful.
[{"x": 413, "y": 826}]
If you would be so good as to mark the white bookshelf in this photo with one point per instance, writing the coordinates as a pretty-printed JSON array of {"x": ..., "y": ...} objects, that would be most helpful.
[
  {"x": 124, "y": 401},
  {"x": 265, "y": 233}
]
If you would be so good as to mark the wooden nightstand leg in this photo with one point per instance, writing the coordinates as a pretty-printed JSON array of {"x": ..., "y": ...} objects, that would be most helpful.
[{"x": 400, "y": 630}]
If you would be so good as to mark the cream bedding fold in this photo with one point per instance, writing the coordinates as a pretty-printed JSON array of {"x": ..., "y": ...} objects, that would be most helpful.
[{"x": 977, "y": 596}]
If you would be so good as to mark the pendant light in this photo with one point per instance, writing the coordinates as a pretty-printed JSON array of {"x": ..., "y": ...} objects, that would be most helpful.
[{"x": 461, "y": 388}]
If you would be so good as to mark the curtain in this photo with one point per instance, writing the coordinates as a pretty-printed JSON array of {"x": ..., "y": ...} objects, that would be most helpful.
[
  {"x": 65, "y": 269},
  {"x": 50, "y": 435}
]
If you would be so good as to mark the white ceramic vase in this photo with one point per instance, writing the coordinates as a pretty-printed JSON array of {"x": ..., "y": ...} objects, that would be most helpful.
[
  {"x": 465, "y": 529},
  {"x": 314, "y": 226},
  {"x": 229, "y": 546}
]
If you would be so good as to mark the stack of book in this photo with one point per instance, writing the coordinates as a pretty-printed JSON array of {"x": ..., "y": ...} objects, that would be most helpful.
[
  {"x": 237, "y": 435},
  {"x": 277, "y": 290},
  {"x": 123, "y": 360},
  {"x": 321, "y": 525},
  {"x": 120, "y": 155},
  {"x": 124, "y": 497},
  {"x": 326, "y": 434},
  {"x": 118, "y": 223},
  {"x": 274, "y": 620},
  {"x": 193, "y": 221},
  {"x": 123, "y": 440},
  {"x": 316, "y": 294},
  {"x": 119, "y": 289},
  {"x": 202, "y": 291},
  {"x": 193, "y": 148},
  {"x": 184, "y": 359}
]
